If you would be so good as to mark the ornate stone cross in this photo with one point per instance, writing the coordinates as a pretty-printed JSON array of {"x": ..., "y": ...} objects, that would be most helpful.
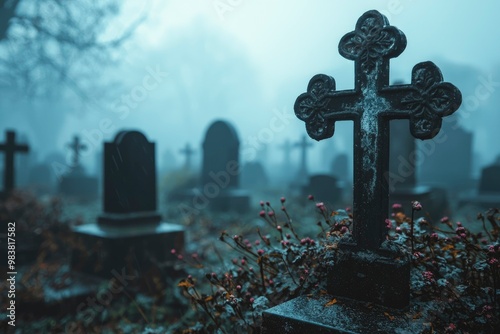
[
  {"x": 76, "y": 146},
  {"x": 371, "y": 105},
  {"x": 10, "y": 147}
]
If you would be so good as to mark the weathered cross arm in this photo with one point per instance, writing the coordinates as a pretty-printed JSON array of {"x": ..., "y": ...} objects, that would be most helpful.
[
  {"x": 321, "y": 106},
  {"x": 424, "y": 102}
]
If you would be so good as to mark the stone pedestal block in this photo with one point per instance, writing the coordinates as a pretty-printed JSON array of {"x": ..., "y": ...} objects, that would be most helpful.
[
  {"x": 371, "y": 277},
  {"x": 308, "y": 315},
  {"x": 105, "y": 249}
]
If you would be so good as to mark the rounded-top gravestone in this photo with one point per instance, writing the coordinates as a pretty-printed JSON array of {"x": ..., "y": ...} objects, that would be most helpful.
[{"x": 220, "y": 150}]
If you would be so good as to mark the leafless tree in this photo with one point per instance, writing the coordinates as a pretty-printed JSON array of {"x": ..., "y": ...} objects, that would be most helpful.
[{"x": 47, "y": 46}]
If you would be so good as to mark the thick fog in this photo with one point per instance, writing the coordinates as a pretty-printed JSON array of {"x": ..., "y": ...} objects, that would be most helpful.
[{"x": 189, "y": 63}]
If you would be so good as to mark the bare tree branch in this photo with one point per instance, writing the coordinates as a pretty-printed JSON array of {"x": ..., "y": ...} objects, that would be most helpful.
[{"x": 46, "y": 45}]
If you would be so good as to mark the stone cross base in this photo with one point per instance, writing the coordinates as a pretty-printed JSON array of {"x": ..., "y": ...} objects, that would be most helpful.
[
  {"x": 307, "y": 315},
  {"x": 371, "y": 277},
  {"x": 103, "y": 250}
]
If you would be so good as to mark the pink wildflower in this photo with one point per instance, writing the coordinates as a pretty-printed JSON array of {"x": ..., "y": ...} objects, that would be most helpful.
[
  {"x": 388, "y": 224},
  {"x": 321, "y": 206},
  {"x": 396, "y": 206}
]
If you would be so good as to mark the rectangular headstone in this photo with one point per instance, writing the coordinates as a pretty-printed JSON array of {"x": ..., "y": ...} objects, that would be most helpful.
[
  {"x": 129, "y": 233},
  {"x": 129, "y": 180}
]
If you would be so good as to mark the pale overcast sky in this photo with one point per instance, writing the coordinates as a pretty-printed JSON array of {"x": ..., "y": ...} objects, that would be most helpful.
[
  {"x": 287, "y": 42},
  {"x": 247, "y": 60}
]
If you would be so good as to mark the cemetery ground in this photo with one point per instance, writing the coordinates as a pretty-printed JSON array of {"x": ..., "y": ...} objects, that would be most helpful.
[{"x": 235, "y": 266}]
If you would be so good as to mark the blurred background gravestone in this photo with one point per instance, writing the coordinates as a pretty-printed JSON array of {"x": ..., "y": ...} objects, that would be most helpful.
[
  {"x": 220, "y": 174},
  {"x": 325, "y": 188},
  {"x": 340, "y": 168},
  {"x": 254, "y": 176},
  {"x": 447, "y": 161},
  {"x": 488, "y": 192},
  {"x": 405, "y": 160},
  {"x": 218, "y": 187}
]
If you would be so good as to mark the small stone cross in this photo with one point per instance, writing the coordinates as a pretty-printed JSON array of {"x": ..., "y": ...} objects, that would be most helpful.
[
  {"x": 188, "y": 152},
  {"x": 303, "y": 145},
  {"x": 371, "y": 105},
  {"x": 10, "y": 148},
  {"x": 76, "y": 146}
]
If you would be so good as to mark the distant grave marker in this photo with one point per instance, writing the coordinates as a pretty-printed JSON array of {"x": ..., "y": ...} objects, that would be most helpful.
[
  {"x": 324, "y": 188},
  {"x": 220, "y": 175},
  {"x": 254, "y": 176},
  {"x": 367, "y": 267},
  {"x": 405, "y": 161},
  {"x": 287, "y": 149},
  {"x": 303, "y": 145},
  {"x": 490, "y": 179},
  {"x": 221, "y": 155},
  {"x": 76, "y": 146},
  {"x": 488, "y": 192},
  {"x": 188, "y": 152},
  {"x": 76, "y": 184},
  {"x": 447, "y": 162}
]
